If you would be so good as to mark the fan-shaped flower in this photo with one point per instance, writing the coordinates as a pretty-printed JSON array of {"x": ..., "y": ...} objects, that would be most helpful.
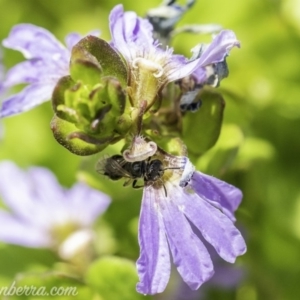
[
  {"x": 151, "y": 66},
  {"x": 165, "y": 225},
  {"x": 42, "y": 214},
  {"x": 47, "y": 61}
]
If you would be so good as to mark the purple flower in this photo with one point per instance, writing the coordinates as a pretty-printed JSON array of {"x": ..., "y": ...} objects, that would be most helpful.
[
  {"x": 132, "y": 37},
  {"x": 39, "y": 210},
  {"x": 47, "y": 61},
  {"x": 165, "y": 225}
]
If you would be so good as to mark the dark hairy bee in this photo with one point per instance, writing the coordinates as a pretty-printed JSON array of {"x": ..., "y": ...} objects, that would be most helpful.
[{"x": 116, "y": 167}]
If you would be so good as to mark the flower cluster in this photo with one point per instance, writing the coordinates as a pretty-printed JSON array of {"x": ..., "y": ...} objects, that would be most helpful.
[
  {"x": 136, "y": 89},
  {"x": 105, "y": 95}
]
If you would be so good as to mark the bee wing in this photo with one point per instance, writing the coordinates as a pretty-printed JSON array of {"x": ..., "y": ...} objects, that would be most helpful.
[{"x": 112, "y": 167}]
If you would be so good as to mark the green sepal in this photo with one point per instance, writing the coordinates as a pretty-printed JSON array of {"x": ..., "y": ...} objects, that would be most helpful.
[
  {"x": 114, "y": 278},
  {"x": 123, "y": 124},
  {"x": 77, "y": 142},
  {"x": 94, "y": 111},
  {"x": 94, "y": 49},
  {"x": 111, "y": 92},
  {"x": 58, "y": 97},
  {"x": 202, "y": 129},
  {"x": 85, "y": 71}
]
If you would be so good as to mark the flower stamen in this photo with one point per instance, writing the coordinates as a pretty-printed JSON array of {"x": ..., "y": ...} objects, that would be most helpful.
[{"x": 156, "y": 69}]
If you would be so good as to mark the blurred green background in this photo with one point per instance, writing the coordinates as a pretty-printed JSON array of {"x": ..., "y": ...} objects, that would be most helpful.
[{"x": 258, "y": 150}]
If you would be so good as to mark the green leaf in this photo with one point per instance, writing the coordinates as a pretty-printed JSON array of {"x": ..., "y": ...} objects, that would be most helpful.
[
  {"x": 217, "y": 160},
  {"x": 114, "y": 278},
  {"x": 94, "y": 49},
  {"x": 68, "y": 135},
  {"x": 201, "y": 129}
]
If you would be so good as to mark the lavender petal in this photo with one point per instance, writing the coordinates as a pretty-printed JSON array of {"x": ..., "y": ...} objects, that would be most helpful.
[
  {"x": 85, "y": 204},
  {"x": 28, "y": 98},
  {"x": 14, "y": 231},
  {"x": 183, "y": 69},
  {"x": 219, "y": 193},
  {"x": 215, "y": 52},
  {"x": 32, "y": 197},
  {"x": 129, "y": 32},
  {"x": 153, "y": 264},
  {"x": 34, "y": 42},
  {"x": 189, "y": 254},
  {"x": 215, "y": 227},
  {"x": 219, "y": 48}
]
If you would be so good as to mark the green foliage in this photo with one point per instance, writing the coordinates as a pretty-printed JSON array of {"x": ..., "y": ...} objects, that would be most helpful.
[
  {"x": 114, "y": 278},
  {"x": 260, "y": 136}
]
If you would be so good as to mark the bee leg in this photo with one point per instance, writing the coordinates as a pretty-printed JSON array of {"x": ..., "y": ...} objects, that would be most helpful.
[
  {"x": 126, "y": 183},
  {"x": 165, "y": 190},
  {"x": 136, "y": 186}
]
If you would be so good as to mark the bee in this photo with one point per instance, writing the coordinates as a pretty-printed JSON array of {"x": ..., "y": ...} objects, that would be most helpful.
[{"x": 116, "y": 167}]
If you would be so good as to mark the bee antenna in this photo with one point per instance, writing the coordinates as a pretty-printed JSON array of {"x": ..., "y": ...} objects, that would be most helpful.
[{"x": 175, "y": 168}]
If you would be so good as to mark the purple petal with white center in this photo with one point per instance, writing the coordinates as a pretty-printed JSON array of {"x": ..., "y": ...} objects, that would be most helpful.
[
  {"x": 129, "y": 32},
  {"x": 153, "y": 264},
  {"x": 28, "y": 98},
  {"x": 15, "y": 231},
  {"x": 132, "y": 37},
  {"x": 39, "y": 204},
  {"x": 222, "y": 195},
  {"x": 214, "y": 226},
  {"x": 190, "y": 256}
]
